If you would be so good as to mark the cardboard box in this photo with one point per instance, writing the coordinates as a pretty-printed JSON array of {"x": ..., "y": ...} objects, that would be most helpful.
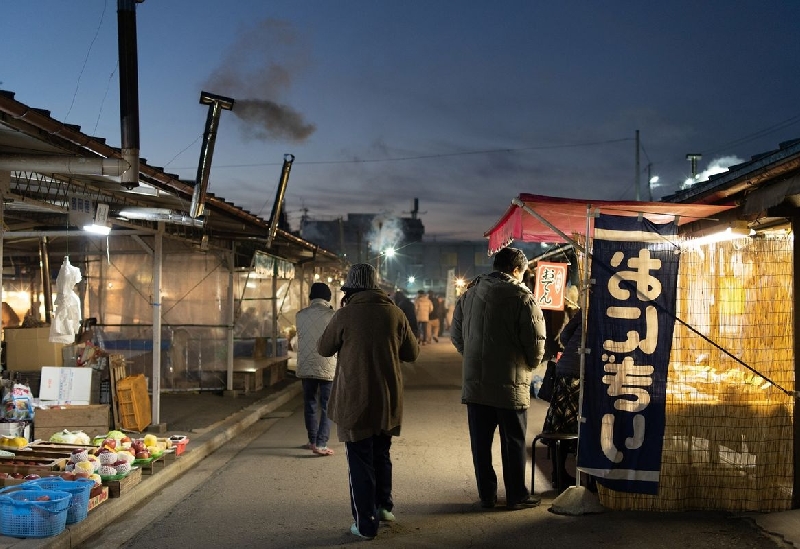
[
  {"x": 92, "y": 419},
  {"x": 28, "y": 349}
]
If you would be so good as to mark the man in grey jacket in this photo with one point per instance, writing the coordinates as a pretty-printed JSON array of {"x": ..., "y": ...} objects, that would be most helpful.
[
  {"x": 500, "y": 332},
  {"x": 314, "y": 370}
]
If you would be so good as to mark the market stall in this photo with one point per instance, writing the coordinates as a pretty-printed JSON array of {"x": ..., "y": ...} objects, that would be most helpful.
[{"x": 728, "y": 404}]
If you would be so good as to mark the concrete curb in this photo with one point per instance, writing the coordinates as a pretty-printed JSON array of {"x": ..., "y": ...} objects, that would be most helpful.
[{"x": 202, "y": 446}]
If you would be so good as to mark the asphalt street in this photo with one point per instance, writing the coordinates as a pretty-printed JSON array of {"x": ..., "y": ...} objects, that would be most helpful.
[{"x": 261, "y": 489}]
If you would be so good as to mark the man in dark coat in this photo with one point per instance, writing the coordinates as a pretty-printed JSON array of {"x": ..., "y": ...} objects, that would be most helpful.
[{"x": 499, "y": 330}]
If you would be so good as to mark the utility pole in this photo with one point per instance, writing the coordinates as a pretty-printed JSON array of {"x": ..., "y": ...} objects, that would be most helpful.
[{"x": 636, "y": 181}]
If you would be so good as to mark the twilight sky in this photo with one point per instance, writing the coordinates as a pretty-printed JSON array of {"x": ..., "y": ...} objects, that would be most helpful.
[{"x": 461, "y": 103}]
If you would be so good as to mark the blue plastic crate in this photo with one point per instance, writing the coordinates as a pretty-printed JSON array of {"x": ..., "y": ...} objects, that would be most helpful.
[
  {"x": 23, "y": 515},
  {"x": 80, "y": 488}
]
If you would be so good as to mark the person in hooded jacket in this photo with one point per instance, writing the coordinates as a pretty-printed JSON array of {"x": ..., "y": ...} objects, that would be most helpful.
[
  {"x": 315, "y": 371},
  {"x": 499, "y": 330},
  {"x": 371, "y": 337},
  {"x": 407, "y": 306},
  {"x": 423, "y": 309}
]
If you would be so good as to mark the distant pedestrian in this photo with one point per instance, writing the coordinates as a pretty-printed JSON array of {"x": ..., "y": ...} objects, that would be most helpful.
[
  {"x": 407, "y": 306},
  {"x": 371, "y": 336},
  {"x": 436, "y": 313},
  {"x": 442, "y": 316},
  {"x": 423, "y": 307},
  {"x": 314, "y": 370},
  {"x": 499, "y": 330}
]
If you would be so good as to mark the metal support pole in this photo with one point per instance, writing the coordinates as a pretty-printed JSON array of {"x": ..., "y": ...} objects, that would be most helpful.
[
  {"x": 157, "y": 272},
  {"x": 231, "y": 316}
]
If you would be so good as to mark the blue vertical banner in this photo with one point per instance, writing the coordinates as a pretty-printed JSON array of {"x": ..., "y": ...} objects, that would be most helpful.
[{"x": 630, "y": 323}]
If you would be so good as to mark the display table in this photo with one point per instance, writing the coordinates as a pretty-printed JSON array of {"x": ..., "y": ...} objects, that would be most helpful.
[{"x": 253, "y": 374}]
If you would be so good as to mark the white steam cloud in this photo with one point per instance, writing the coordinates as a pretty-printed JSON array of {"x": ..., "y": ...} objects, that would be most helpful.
[
  {"x": 385, "y": 232},
  {"x": 718, "y": 165}
]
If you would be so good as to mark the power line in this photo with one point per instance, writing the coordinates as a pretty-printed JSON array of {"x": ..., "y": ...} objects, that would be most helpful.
[
  {"x": 755, "y": 135},
  {"x": 429, "y": 156},
  {"x": 85, "y": 61}
]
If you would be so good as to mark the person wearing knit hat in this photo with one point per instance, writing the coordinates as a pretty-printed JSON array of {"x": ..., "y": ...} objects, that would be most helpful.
[
  {"x": 361, "y": 276},
  {"x": 319, "y": 290},
  {"x": 371, "y": 336},
  {"x": 315, "y": 371}
]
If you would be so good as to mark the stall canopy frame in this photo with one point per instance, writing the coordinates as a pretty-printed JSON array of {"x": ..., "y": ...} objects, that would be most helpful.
[{"x": 539, "y": 218}]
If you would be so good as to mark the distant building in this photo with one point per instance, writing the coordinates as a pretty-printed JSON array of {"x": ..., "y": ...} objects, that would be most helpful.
[
  {"x": 411, "y": 263},
  {"x": 361, "y": 237}
]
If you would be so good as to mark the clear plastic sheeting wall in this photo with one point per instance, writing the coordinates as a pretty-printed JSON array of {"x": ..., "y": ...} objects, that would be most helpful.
[
  {"x": 195, "y": 309},
  {"x": 728, "y": 442}
]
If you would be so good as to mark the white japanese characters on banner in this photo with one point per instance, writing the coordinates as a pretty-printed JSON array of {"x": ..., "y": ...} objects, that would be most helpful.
[{"x": 629, "y": 338}]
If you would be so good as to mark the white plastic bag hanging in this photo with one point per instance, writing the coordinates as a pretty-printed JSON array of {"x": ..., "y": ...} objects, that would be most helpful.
[{"x": 67, "y": 306}]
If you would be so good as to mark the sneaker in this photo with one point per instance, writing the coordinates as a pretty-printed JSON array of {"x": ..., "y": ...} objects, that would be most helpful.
[
  {"x": 488, "y": 503},
  {"x": 385, "y": 515},
  {"x": 530, "y": 501},
  {"x": 355, "y": 532}
]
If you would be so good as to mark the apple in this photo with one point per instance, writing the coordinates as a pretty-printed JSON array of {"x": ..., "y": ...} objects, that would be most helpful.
[
  {"x": 68, "y": 476},
  {"x": 17, "y": 475},
  {"x": 110, "y": 443},
  {"x": 81, "y": 474},
  {"x": 143, "y": 455},
  {"x": 5, "y": 475},
  {"x": 32, "y": 476}
]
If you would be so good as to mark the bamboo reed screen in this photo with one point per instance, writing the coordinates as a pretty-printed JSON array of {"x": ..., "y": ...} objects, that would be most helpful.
[{"x": 728, "y": 437}]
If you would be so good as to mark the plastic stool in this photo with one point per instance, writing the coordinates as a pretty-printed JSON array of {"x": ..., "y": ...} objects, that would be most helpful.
[{"x": 557, "y": 439}]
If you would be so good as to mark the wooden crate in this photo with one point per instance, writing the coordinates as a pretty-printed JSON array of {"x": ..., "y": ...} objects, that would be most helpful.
[
  {"x": 92, "y": 419},
  {"x": 276, "y": 372},
  {"x": 97, "y": 496},
  {"x": 248, "y": 382},
  {"x": 116, "y": 488},
  {"x": 253, "y": 374},
  {"x": 27, "y": 466}
]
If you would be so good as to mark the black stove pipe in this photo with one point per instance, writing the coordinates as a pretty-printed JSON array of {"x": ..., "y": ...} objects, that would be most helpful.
[
  {"x": 128, "y": 89},
  {"x": 276, "y": 207},
  {"x": 216, "y": 104}
]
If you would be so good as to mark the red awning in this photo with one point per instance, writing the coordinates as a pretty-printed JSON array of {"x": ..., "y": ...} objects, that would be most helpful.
[{"x": 568, "y": 215}]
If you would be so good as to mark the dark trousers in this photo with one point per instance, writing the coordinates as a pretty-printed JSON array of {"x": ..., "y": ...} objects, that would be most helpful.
[
  {"x": 370, "y": 470},
  {"x": 483, "y": 421},
  {"x": 318, "y": 425}
]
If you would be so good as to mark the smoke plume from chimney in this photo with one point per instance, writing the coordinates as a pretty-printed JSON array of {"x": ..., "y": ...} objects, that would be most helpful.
[{"x": 256, "y": 71}]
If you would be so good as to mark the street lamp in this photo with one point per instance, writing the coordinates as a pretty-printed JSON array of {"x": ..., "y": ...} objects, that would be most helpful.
[
  {"x": 653, "y": 180},
  {"x": 388, "y": 253}
]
